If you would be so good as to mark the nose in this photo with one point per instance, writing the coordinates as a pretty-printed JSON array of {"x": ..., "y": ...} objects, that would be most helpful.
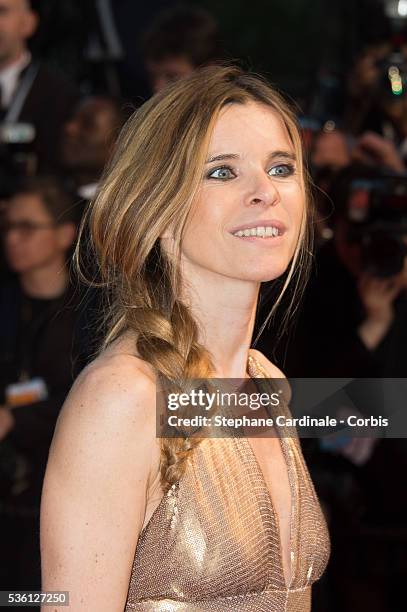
[{"x": 263, "y": 190}]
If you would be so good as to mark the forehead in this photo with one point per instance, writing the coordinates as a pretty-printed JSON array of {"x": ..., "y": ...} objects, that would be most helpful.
[
  {"x": 252, "y": 126},
  {"x": 27, "y": 206}
]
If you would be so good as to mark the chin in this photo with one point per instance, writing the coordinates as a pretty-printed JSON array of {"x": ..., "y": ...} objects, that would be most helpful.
[{"x": 264, "y": 274}]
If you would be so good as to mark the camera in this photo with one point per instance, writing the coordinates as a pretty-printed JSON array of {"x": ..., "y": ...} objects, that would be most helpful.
[{"x": 377, "y": 218}]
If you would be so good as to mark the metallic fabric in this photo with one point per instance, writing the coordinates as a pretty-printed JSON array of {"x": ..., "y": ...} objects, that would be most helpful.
[{"x": 213, "y": 542}]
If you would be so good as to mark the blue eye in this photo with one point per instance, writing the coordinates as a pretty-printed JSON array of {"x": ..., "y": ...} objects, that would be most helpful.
[
  {"x": 222, "y": 173},
  {"x": 282, "y": 170}
]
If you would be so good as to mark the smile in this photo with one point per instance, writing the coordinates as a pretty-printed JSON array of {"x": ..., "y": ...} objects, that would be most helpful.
[{"x": 259, "y": 232}]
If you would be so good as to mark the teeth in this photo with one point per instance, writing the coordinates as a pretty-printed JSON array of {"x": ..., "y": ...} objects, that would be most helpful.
[{"x": 261, "y": 232}]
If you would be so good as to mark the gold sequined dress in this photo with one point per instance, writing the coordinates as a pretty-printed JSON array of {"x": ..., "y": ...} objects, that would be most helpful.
[{"x": 213, "y": 542}]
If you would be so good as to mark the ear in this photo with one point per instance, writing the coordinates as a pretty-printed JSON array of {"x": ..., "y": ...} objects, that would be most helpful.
[
  {"x": 168, "y": 233},
  {"x": 30, "y": 23},
  {"x": 167, "y": 244},
  {"x": 67, "y": 233}
]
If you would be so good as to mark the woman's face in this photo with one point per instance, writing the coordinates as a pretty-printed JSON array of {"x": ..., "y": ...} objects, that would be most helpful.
[{"x": 251, "y": 189}]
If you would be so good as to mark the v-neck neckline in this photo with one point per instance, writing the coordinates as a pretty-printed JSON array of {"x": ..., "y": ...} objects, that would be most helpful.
[{"x": 288, "y": 455}]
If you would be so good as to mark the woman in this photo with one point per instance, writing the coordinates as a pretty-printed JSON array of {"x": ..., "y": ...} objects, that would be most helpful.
[{"x": 133, "y": 522}]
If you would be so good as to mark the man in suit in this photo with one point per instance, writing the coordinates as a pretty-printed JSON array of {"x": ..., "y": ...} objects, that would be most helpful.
[{"x": 30, "y": 93}]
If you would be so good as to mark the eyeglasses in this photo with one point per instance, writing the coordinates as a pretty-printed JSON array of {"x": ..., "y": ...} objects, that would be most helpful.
[{"x": 25, "y": 228}]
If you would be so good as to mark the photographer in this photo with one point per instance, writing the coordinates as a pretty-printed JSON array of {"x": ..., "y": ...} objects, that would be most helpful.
[
  {"x": 353, "y": 321},
  {"x": 353, "y": 324},
  {"x": 377, "y": 92}
]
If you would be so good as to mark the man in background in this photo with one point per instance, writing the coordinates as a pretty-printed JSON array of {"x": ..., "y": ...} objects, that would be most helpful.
[
  {"x": 37, "y": 314},
  {"x": 87, "y": 142},
  {"x": 180, "y": 40},
  {"x": 30, "y": 93},
  {"x": 88, "y": 137}
]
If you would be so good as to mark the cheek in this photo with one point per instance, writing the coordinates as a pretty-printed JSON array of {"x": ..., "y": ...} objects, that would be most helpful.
[
  {"x": 40, "y": 248},
  {"x": 205, "y": 240},
  {"x": 293, "y": 201},
  {"x": 200, "y": 241},
  {"x": 207, "y": 218}
]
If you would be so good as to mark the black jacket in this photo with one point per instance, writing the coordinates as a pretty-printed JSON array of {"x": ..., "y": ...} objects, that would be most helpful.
[
  {"x": 43, "y": 347},
  {"x": 49, "y": 104}
]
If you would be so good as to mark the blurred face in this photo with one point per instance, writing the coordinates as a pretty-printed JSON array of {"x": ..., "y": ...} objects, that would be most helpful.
[
  {"x": 89, "y": 135},
  {"x": 17, "y": 24},
  {"x": 31, "y": 241},
  {"x": 246, "y": 221},
  {"x": 168, "y": 70},
  {"x": 331, "y": 150}
]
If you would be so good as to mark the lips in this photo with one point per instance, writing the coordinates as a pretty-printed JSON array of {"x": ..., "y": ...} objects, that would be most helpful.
[{"x": 282, "y": 228}]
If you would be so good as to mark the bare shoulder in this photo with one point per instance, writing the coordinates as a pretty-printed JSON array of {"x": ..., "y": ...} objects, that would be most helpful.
[
  {"x": 103, "y": 457},
  {"x": 111, "y": 406},
  {"x": 273, "y": 371},
  {"x": 114, "y": 390},
  {"x": 120, "y": 373}
]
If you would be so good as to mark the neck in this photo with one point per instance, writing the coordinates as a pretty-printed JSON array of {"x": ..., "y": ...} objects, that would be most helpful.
[
  {"x": 225, "y": 310},
  {"x": 7, "y": 62},
  {"x": 47, "y": 282}
]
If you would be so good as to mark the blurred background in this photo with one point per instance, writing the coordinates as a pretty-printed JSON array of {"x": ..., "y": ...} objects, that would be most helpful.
[{"x": 70, "y": 75}]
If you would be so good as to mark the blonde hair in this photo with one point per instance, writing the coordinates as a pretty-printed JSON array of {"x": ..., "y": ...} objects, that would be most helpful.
[{"x": 149, "y": 184}]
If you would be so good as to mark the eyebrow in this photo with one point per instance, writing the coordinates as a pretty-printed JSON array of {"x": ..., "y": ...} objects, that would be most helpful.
[{"x": 275, "y": 154}]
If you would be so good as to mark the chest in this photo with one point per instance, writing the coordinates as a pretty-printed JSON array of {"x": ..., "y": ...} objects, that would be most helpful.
[
  {"x": 272, "y": 462},
  {"x": 221, "y": 510}
]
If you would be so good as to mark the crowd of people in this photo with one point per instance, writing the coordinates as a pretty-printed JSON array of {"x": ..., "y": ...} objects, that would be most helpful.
[{"x": 352, "y": 321}]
